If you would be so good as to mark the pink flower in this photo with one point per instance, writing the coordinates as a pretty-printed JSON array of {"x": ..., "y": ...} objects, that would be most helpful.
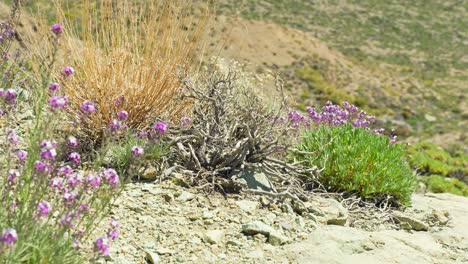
[
  {"x": 93, "y": 180},
  {"x": 43, "y": 209},
  {"x": 58, "y": 102},
  {"x": 72, "y": 141},
  {"x": 56, "y": 183},
  {"x": 9, "y": 236},
  {"x": 88, "y": 107},
  {"x": 74, "y": 157},
  {"x": 115, "y": 125},
  {"x": 75, "y": 179},
  {"x": 10, "y": 96},
  {"x": 137, "y": 152},
  {"x": 22, "y": 155},
  {"x": 161, "y": 127},
  {"x": 57, "y": 29},
  {"x": 111, "y": 176},
  {"x": 48, "y": 149},
  {"x": 122, "y": 115},
  {"x": 54, "y": 87},
  {"x": 13, "y": 174},
  {"x": 67, "y": 71},
  {"x": 102, "y": 246}
]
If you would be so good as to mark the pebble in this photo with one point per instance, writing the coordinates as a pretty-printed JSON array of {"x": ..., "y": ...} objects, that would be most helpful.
[{"x": 214, "y": 236}]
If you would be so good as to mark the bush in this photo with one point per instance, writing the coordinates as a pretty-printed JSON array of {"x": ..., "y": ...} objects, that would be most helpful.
[
  {"x": 357, "y": 161},
  {"x": 440, "y": 184},
  {"x": 129, "y": 53},
  {"x": 431, "y": 159}
]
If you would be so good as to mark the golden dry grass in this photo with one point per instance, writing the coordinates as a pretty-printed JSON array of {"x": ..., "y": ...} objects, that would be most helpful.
[{"x": 131, "y": 50}]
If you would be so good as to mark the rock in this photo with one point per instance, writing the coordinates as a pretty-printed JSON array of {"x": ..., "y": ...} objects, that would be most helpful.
[
  {"x": 150, "y": 173},
  {"x": 209, "y": 214},
  {"x": 194, "y": 216},
  {"x": 257, "y": 254},
  {"x": 415, "y": 224},
  {"x": 152, "y": 257},
  {"x": 256, "y": 180},
  {"x": 235, "y": 243},
  {"x": 164, "y": 251},
  {"x": 328, "y": 211},
  {"x": 440, "y": 217},
  {"x": 214, "y": 236},
  {"x": 185, "y": 196},
  {"x": 168, "y": 197},
  {"x": 275, "y": 238},
  {"x": 247, "y": 206},
  {"x": 257, "y": 227},
  {"x": 430, "y": 118},
  {"x": 286, "y": 208}
]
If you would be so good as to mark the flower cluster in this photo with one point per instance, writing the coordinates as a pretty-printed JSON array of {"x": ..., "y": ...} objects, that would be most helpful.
[
  {"x": 102, "y": 244},
  {"x": 334, "y": 115}
]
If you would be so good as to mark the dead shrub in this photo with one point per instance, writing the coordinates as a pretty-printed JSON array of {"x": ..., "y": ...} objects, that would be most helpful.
[{"x": 128, "y": 52}]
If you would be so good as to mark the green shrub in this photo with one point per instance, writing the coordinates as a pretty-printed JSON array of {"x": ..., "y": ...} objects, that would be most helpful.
[
  {"x": 431, "y": 159},
  {"x": 357, "y": 161},
  {"x": 439, "y": 184}
]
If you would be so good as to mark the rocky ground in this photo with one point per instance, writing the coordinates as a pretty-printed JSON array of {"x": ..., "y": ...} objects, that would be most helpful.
[{"x": 165, "y": 223}]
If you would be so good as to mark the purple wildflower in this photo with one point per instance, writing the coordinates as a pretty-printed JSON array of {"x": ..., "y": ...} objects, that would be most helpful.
[
  {"x": 43, "y": 209},
  {"x": 72, "y": 141},
  {"x": 137, "y": 152},
  {"x": 160, "y": 127},
  {"x": 57, "y": 29},
  {"x": 115, "y": 125},
  {"x": 48, "y": 149},
  {"x": 54, "y": 87},
  {"x": 88, "y": 107},
  {"x": 13, "y": 174},
  {"x": 22, "y": 155},
  {"x": 58, "y": 102},
  {"x": 111, "y": 176},
  {"x": 122, "y": 115},
  {"x": 74, "y": 157},
  {"x": 102, "y": 246},
  {"x": 9, "y": 236},
  {"x": 93, "y": 180},
  {"x": 67, "y": 71},
  {"x": 10, "y": 96}
]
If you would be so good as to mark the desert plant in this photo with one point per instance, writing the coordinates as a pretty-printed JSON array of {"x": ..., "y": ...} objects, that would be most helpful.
[
  {"x": 440, "y": 184},
  {"x": 230, "y": 129},
  {"x": 357, "y": 161},
  {"x": 129, "y": 52},
  {"x": 52, "y": 201},
  {"x": 430, "y": 159}
]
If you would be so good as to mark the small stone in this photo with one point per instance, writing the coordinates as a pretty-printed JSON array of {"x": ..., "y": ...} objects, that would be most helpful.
[
  {"x": 415, "y": 224},
  {"x": 193, "y": 216},
  {"x": 286, "y": 208},
  {"x": 152, "y": 257},
  {"x": 149, "y": 173},
  {"x": 247, "y": 206},
  {"x": 214, "y": 236},
  {"x": 164, "y": 251},
  {"x": 168, "y": 197},
  {"x": 442, "y": 217},
  {"x": 208, "y": 214},
  {"x": 234, "y": 243},
  {"x": 185, "y": 196},
  {"x": 277, "y": 238},
  {"x": 256, "y": 254},
  {"x": 260, "y": 238},
  {"x": 257, "y": 227}
]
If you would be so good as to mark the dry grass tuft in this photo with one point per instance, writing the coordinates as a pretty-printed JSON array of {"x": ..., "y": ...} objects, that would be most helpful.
[{"x": 132, "y": 50}]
